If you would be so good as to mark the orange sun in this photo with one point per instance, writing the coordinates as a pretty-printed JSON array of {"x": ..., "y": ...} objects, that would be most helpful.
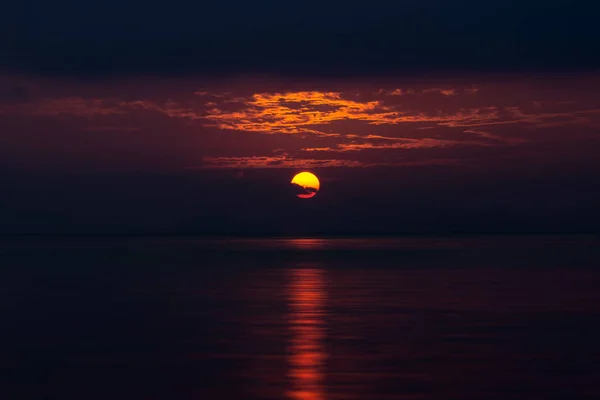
[{"x": 307, "y": 184}]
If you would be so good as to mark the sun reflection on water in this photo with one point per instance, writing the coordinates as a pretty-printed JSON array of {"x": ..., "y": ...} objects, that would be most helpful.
[
  {"x": 307, "y": 356},
  {"x": 306, "y": 244}
]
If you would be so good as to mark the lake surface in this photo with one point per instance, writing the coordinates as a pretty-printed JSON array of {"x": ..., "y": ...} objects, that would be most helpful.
[{"x": 306, "y": 319}]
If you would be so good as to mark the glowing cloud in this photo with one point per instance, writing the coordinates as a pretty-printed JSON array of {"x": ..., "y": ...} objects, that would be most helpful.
[{"x": 307, "y": 112}]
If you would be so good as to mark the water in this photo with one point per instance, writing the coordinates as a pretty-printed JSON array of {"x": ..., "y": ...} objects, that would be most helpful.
[{"x": 307, "y": 319}]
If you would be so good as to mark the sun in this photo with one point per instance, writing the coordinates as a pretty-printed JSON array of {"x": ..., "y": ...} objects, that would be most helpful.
[{"x": 307, "y": 185}]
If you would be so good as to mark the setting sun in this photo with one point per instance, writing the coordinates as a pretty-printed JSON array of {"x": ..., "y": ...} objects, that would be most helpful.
[{"x": 307, "y": 183}]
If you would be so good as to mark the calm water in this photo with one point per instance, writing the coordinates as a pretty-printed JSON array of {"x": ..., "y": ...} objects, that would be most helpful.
[{"x": 306, "y": 319}]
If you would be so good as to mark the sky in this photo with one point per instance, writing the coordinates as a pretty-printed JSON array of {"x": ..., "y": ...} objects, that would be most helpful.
[{"x": 417, "y": 116}]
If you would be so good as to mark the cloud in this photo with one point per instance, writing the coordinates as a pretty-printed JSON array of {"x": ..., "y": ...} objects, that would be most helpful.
[
  {"x": 266, "y": 162},
  {"x": 311, "y": 112},
  {"x": 276, "y": 162},
  {"x": 491, "y": 136},
  {"x": 92, "y": 107},
  {"x": 362, "y": 125},
  {"x": 442, "y": 91},
  {"x": 292, "y": 112},
  {"x": 544, "y": 120},
  {"x": 514, "y": 115},
  {"x": 399, "y": 92},
  {"x": 401, "y": 143},
  {"x": 112, "y": 129},
  {"x": 445, "y": 92},
  {"x": 202, "y": 94},
  {"x": 395, "y": 92},
  {"x": 319, "y": 149},
  {"x": 308, "y": 112},
  {"x": 53, "y": 107},
  {"x": 169, "y": 108}
]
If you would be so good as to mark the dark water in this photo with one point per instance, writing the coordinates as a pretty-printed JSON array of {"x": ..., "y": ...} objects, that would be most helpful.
[{"x": 311, "y": 319}]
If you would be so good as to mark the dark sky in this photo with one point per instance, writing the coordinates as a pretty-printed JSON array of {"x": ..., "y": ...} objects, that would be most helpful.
[
  {"x": 417, "y": 116},
  {"x": 325, "y": 37}
]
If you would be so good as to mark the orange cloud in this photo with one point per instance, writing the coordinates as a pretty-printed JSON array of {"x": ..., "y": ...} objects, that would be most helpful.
[
  {"x": 399, "y": 92},
  {"x": 292, "y": 112},
  {"x": 323, "y": 114},
  {"x": 306, "y": 112},
  {"x": 309, "y": 112},
  {"x": 445, "y": 92}
]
